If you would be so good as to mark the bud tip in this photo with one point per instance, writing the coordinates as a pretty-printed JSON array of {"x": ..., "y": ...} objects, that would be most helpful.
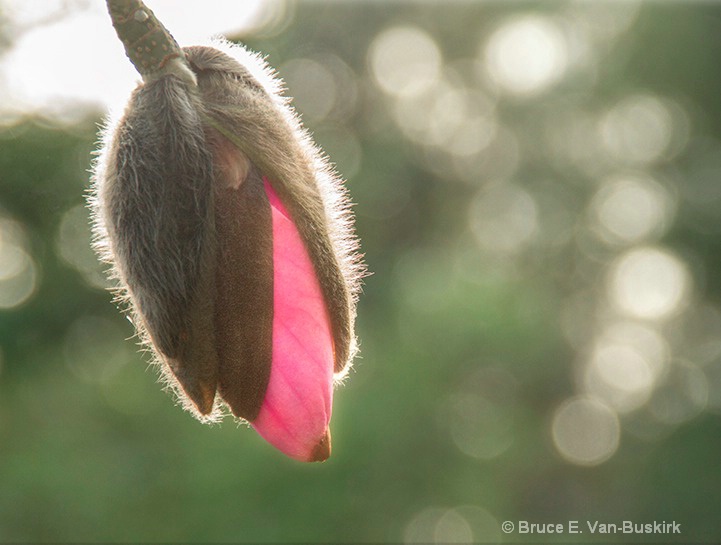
[{"x": 321, "y": 452}]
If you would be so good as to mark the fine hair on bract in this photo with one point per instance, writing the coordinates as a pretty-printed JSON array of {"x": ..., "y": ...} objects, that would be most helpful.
[{"x": 171, "y": 145}]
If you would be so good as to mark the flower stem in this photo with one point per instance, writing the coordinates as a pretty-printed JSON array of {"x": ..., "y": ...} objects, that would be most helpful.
[{"x": 148, "y": 44}]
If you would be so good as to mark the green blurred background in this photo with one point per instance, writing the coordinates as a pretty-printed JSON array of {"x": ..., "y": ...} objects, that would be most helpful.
[{"x": 538, "y": 194}]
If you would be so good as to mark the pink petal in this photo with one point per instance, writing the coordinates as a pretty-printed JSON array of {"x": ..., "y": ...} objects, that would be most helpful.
[{"x": 296, "y": 410}]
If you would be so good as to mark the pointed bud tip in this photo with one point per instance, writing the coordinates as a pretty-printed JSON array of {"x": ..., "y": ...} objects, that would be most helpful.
[
  {"x": 201, "y": 392},
  {"x": 207, "y": 398},
  {"x": 321, "y": 452},
  {"x": 202, "y": 396}
]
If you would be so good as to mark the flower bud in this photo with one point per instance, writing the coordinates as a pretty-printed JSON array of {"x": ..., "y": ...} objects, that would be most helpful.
[{"x": 231, "y": 242}]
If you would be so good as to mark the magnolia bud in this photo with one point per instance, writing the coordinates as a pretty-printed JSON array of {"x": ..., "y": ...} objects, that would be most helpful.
[{"x": 229, "y": 236}]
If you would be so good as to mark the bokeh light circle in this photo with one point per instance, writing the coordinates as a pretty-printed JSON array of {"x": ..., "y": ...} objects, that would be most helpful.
[
  {"x": 585, "y": 431},
  {"x": 404, "y": 61},
  {"x": 526, "y": 55},
  {"x": 649, "y": 283},
  {"x": 18, "y": 271},
  {"x": 630, "y": 209},
  {"x": 638, "y": 130}
]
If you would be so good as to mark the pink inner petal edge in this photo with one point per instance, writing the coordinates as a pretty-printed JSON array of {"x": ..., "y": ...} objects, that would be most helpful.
[{"x": 297, "y": 407}]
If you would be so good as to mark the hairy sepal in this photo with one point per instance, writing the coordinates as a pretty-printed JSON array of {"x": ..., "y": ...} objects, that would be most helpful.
[{"x": 154, "y": 212}]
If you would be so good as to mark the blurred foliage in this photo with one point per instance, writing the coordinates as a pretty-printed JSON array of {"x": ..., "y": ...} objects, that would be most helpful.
[{"x": 493, "y": 282}]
